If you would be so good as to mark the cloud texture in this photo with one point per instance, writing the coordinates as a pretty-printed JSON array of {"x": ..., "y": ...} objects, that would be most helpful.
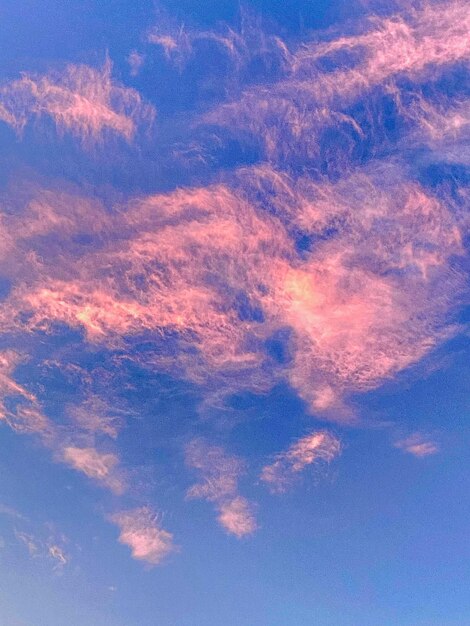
[{"x": 329, "y": 261}]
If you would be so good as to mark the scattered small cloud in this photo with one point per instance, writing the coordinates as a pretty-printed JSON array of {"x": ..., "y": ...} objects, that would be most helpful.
[
  {"x": 135, "y": 61},
  {"x": 237, "y": 517},
  {"x": 45, "y": 543},
  {"x": 220, "y": 473},
  {"x": 31, "y": 543},
  {"x": 318, "y": 446},
  {"x": 140, "y": 530},
  {"x": 57, "y": 554},
  {"x": 417, "y": 444},
  {"x": 100, "y": 466},
  {"x": 11, "y": 512}
]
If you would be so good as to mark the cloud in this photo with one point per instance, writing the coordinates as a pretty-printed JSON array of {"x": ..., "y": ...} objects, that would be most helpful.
[
  {"x": 11, "y": 512},
  {"x": 331, "y": 264},
  {"x": 97, "y": 465},
  {"x": 19, "y": 407},
  {"x": 220, "y": 274},
  {"x": 23, "y": 412},
  {"x": 236, "y": 516},
  {"x": 135, "y": 61},
  {"x": 142, "y": 533},
  {"x": 228, "y": 48},
  {"x": 441, "y": 125},
  {"x": 58, "y": 555},
  {"x": 81, "y": 100},
  {"x": 220, "y": 474},
  {"x": 96, "y": 417},
  {"x": 418, "y": 445},
  {"x": 316, "y": 447},
  {"x": 286, "y": 118},
  {"x": 52, "y": 548},
  {"x": 29, "y": 541},
  {"x": 217, "y": 272}
]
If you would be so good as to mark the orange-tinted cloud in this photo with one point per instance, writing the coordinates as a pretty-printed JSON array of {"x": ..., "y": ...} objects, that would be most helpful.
[
  {"x": 318, "y": 446},
  {"x": 139, "y": 529}
]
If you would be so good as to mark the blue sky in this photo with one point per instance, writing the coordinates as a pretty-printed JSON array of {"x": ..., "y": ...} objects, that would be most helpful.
[{"x": 234, "y": 328}]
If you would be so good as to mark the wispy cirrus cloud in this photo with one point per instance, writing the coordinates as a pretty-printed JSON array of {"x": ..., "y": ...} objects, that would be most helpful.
[
  {"x": 221, "y": 265},
  {"x": 140, "y": 530},
  {"x": 223, "y": 275},
  {"x": 288, "y": 117},
  {"x": 316, "y": 447},
  {"x": 19, "y": 407},
  {"x": 45, "y": 550},
  {"x": 220, "y": 474},
  {"x": 330, "y": 264},
  {"x": 96, "y": 465},
  {"x": 81, "y": 100},
  {"x": 25, "y": 414},
  {"x": 418, "y": 445},
  {"x": 44, "y": 542}
]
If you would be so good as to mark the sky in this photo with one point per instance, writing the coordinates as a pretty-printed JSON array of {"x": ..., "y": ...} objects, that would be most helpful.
[{"x": 234, "y": 341}]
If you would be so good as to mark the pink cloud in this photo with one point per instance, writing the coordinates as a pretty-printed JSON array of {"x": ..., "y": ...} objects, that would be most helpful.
[
  {"x": 217, "y": 270},
  {"x": 318, "y": 446},
  {"x": 360, "y": 307},
  {"x": 142, "y": 533},
  {"x": 442, "y": 125},
  {"x": 237, "y": 517},
  {"x": 25, "y": 416},
  {"x": 220, "y": 474},
  {"x": 96, "y": 417},
  {"x": 136, "y": 62},
  {"x": 82, "y": 100},
  {"x": 96, "y": 465},
  {"x": 418, "y": 445},
  {"x": 286, "y": 117}
]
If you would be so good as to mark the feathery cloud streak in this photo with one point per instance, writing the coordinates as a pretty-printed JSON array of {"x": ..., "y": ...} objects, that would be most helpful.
[
  {"x": 223, "y": 275},
  {"x": 220, "y": 474},
  {"x": 329, "y": 264},
  {"x": 82, "y": 100},
  {"x": 139, "y": 529},
  {"x": 313, "y": 448},
  {"x": 417, "y": 445}
]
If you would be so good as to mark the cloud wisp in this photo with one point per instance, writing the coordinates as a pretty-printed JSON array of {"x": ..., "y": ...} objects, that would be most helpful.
[
  {"x": 81, "y": 100},
  {"x": 418, "y": 445},
  {"x": 329, "y": 262},
  {"x": 222, "y": 276},
  {"x": 220, "y": 474},
  {"x": 42, "y": 542},
  {"x": 96, "y": 465},
  {"x": 141, "y": 532},
  {"x": 312, "y": 449}
]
